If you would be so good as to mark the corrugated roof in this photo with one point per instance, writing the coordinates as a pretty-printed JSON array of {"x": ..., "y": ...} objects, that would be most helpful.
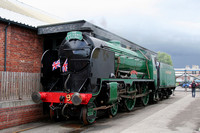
[
  {"x": 19, "y": 12},
  {"x": 16, "y": 17}
]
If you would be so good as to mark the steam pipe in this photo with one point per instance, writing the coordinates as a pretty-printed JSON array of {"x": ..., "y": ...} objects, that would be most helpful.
[{"x": 5, "y": 52}]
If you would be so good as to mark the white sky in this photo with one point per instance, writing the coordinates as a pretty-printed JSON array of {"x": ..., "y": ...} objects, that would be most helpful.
[{"x": 171, "y": 26}]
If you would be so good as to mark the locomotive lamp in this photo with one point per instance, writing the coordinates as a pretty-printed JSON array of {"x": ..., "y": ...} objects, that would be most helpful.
[{"x": 76, "y": 98}]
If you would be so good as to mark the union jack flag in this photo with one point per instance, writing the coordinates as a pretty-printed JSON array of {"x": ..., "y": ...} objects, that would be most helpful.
[
  {"x": 55, "y": 65},
  {"x": 65, "y": 66}
]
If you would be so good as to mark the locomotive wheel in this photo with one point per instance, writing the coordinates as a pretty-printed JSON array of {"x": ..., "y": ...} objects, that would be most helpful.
[
  {"x": 130, "y": 103},
  {"x": 88, "y": 115},
  {"x": 167, "y": 94},
  {"x": 113, "y": 110},
  {"x": 145, "y": 99},
  {"x": 154, "y": 98},
  {"x": 160, "y": 95}
]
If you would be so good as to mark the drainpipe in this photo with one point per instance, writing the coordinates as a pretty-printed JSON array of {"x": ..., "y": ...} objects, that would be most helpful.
[{"x": 5, "y": 52}]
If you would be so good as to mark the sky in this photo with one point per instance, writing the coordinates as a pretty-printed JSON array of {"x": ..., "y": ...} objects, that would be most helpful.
[{"x": 170, "y": 26}]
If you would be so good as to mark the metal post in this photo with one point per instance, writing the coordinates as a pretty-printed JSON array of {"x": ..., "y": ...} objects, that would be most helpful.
[{"x": 185, "y": 77}]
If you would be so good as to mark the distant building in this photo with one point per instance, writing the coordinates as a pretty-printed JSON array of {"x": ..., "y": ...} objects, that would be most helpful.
[{"x": 187, "y": 74}]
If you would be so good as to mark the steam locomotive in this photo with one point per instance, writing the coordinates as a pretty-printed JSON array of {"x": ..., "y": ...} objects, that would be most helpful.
[{"x": 86, "y": 75}]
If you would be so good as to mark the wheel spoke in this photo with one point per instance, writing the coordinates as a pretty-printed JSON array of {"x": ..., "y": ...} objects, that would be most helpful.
[
  {"x": 130, "y": 103},
  {"x": 113, "y": 110},
  {"x": 145, "y": 99},
  {"x": 88, "y": 114}
]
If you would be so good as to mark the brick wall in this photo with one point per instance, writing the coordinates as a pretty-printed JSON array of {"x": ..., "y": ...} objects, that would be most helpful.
[
  {"x": 24, "y": 49},
  {"x": 14, "y": 116}
]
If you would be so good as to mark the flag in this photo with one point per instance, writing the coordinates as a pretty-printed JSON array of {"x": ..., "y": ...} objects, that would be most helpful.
[
  {"x": 65, "y": 66},
  {"x": 55, "y": 65}
]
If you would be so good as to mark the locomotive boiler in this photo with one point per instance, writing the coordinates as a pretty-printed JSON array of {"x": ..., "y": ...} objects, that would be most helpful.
[{"x": 86, "y": 75}]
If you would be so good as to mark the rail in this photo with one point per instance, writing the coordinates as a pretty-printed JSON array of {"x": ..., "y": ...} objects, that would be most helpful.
[{"x": 18, "y": 85}]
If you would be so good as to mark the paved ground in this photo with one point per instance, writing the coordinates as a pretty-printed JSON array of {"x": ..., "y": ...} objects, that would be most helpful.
[{"x": 178, "y": 114}]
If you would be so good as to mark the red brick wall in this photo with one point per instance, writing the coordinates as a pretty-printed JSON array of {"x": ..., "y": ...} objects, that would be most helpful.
[
  {"x": 24, "y": 49},
  {"x": 20, "y": 115}
]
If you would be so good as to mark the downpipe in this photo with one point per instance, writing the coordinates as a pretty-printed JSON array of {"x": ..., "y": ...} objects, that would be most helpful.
[{"x": 5, "y": 52}]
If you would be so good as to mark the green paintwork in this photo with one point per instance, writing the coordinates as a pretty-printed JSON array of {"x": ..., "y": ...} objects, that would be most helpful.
[
  {"x": 167, "y": 76},
  {"x": 113, "y": 92},
  {"x": 127, "y": 81},
  {"x": 129, "y": 60},
  {"x": 130, "y": 103},
  {"x": 114, "y": 109},
  {"x": 145, "y": 99},
  {"x": 74, "y": 35},
  {"x": 115, "y": 42},
  {"x": 153, "y": 70},
  {"x": 91, "y": 111}
]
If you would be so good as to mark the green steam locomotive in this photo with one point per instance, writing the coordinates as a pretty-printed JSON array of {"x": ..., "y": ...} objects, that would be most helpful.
[{"x": 87, "y": 75}]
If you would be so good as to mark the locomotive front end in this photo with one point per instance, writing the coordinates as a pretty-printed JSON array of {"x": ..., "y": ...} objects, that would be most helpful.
[
  {"x": 76, "y": 50},
  {"x": 65, "y": 76}
]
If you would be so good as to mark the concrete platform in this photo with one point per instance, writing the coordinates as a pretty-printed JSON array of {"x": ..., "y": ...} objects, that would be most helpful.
[{"x": 178, "y": 114}]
